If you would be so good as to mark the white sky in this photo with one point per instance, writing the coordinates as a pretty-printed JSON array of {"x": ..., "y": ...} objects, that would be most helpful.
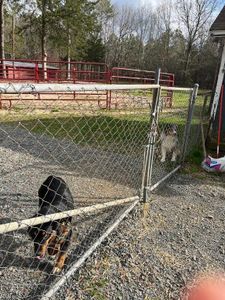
[
  {"x": 135, "y": 2},
  {"x": 152, "y": 2},
  {"x": 155, "y": 2}
]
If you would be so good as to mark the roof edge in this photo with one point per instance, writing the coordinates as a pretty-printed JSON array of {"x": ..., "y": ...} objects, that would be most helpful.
[{"x": 218, "y": 33}]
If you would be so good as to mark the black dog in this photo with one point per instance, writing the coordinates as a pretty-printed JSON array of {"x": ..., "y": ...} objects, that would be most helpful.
[{"x": 53, "y": 237}]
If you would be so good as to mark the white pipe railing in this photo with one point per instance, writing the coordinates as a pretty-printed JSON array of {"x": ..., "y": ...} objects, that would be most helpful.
[
  {"x": 16, "y": 88},
  {"x": 8, "y": 227}
]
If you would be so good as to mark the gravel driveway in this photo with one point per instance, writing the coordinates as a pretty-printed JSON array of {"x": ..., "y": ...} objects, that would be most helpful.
[
  {"x": 94, "y": 176},
  {"x": 157, "y": 251}
]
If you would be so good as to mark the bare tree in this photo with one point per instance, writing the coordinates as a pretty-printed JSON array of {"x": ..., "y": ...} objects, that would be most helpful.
[
  {"x": 164, "y": 20},
  {"x": 44, "y": 37},
  {"x": 123, "y": 28},
  {"x": 105, "y": 14},
  {"x": 143, "y": 29},
  {"x": 14, "y": 8},
  {"x": 193, "y": 16}
]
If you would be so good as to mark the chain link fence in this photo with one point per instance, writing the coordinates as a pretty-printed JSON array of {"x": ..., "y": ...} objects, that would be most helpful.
[{"x": 101, "y": 162}]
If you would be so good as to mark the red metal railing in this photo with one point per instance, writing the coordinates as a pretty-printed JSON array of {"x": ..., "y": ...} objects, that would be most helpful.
[
  {"x": 126, "y": 75},
  {"x": 55, "y": 71},
  {"x": 62, "y": 71},
  {"x": 80, "y": 72}
]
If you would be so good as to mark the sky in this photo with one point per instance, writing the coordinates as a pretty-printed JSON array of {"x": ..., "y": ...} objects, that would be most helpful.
[
  {"x": 135, "y": 2},
  {"x": 153, "y": 3}
]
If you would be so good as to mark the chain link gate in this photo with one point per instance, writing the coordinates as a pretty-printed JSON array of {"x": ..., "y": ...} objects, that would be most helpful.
[
  {"x": 169, "y": 127},
  {"x": 99, "y": 154}
]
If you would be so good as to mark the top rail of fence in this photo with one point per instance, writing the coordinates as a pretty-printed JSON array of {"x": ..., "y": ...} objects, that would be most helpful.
[
  {"x": 12, "y": 226},
  {"x": 15, "y": 88},
  {"x": 172, "y": 88},
  {"x": 140, "y": 70}
]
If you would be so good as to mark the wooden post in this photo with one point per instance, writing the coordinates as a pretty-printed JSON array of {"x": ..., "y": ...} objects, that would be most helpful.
[{"x": 218, "y": 85}]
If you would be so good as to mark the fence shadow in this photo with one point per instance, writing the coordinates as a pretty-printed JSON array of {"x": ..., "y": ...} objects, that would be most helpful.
[{"x": 95, "y": 147}]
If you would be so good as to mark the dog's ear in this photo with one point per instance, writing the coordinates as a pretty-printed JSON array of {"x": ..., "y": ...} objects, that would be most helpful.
[
  {"x": 166, "y": 129},
  {"x": 33, "y": 232},
  {"x": 51, "y": 189}
]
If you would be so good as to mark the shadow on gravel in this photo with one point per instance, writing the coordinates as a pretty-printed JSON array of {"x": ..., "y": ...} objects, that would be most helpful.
[
  {"x": 175, "y": 186},
  {"x": 16, "y": 199},
  {"x": 9, "y": 246},
  {"x": 84, "y": 161},
  {"x": 167, "y": 191}
]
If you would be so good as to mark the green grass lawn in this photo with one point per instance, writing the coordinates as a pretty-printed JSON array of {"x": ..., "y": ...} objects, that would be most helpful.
[
  {"x": 120, "y": 134},
  {"x": 123, "y": 131}
]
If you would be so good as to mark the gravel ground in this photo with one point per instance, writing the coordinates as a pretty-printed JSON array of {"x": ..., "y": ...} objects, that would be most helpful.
[
  {"x": 93, "y": 176},
  {"x": 156, "y": 251}
]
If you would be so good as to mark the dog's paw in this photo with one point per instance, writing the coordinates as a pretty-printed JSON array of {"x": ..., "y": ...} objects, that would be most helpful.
[
  {"x": 173, "y": 159},
  {"x": 56, "y": 270},
  {"x": 40, "y": 257},
  {"x": 162, "y": 160}
]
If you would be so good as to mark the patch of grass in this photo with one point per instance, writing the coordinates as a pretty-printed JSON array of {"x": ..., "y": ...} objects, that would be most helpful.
[
  {"x": 55, "y": 109},
  {"x": 103, "y": 132},
  {"x": 193, "y": 165},
  {"x": 195, "y": 157},
  {"x": 190, "y": 168},
  {"x": 95, "y": 289},
  {"x": 140, "y": 93},
  {"x": 119, "y": 134},
  {"x": 18, "y": 108}
]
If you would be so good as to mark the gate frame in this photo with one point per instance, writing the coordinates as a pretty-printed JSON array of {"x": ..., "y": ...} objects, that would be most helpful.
[{"x": 148, "y": 164}]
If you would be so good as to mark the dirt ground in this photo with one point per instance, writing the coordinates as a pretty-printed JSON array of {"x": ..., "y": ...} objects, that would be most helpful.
[{"x": 158, "y": 250}]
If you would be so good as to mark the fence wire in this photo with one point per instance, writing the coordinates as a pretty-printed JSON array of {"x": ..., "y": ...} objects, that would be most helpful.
[
  {"x": 77, "y": 151},
  {"x": 199, "y": 125},
  {"x": 172, "y": 129},
  {"x": 171, "y": 134},
  {"x": 97, "y": 152}
]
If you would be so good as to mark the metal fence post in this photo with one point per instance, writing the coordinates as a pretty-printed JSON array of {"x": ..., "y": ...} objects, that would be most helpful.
[
  {"x": 150, "y": 147},
  {"x": 191, "y": 106}
]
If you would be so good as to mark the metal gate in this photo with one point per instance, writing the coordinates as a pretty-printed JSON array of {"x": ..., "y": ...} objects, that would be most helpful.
[{"x": 169, "y": 135}]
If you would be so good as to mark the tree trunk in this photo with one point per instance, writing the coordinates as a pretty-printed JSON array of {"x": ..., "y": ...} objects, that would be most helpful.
[
  {"x": 187, "y": 61},
  {"x": 43, "y": 40},
  {"x": 13, "y": 36},
  {"x": 2, "y": 40},
  {"x": 69, "y": 56}
]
